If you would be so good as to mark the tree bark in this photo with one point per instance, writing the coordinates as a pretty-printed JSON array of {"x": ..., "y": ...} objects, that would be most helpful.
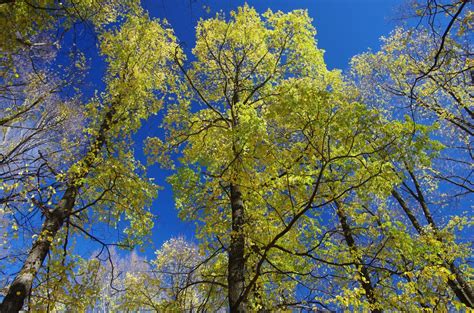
[{"x": 236, "y": 265}]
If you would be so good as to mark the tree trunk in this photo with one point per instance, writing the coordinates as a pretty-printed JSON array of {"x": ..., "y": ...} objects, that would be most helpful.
[
  {"x": 363, "y": 270},
  {"x": 236, "y": 265},
  {"x": 21, "y": 287}
]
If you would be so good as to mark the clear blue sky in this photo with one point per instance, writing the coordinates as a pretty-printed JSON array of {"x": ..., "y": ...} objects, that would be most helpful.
[{"x": 345, "y": 28}]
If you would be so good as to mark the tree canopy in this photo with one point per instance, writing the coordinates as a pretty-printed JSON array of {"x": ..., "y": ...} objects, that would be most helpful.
[{"x": 311, "y": 189}]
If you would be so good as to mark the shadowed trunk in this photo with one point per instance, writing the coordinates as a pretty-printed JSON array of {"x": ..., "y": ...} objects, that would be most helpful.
[{"x": 236, "y": 266}]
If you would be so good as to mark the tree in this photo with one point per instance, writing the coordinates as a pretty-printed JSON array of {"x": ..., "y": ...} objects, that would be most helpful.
[
  {"x": 129, "y": 282},
  {"x": 426, "y": 72},
  {"x": 310, "y": 190},
  {"x": 100, "y": 181},
  {"x": 173, "y": 283},
  {"x": 89, "y": 284},
  {"x": 34, "y": 32},
  {"x": 268, "y": 141}
]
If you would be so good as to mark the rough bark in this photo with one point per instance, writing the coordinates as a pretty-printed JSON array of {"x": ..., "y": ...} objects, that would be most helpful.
[{"x": 236, "y": 265}]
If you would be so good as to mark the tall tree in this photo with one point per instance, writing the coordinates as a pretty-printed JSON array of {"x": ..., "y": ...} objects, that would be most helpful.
[
  {"x": 268, "y": 140},
  {"x": 100, "y": 181},
  {"x": 425, "y": 72}
]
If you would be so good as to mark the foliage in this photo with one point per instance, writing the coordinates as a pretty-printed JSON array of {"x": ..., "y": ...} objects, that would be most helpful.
[
  {"x": 86, "y": 175},
  {"x": 310, "y": 190}
]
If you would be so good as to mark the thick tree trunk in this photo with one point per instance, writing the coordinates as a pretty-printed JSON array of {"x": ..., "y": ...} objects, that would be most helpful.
[
  {"x": 21, "y": 286},
  {"x": 459, "y": 286},
  {"x": 363, "y": 270},
  {"x": 236, "y": 265}
]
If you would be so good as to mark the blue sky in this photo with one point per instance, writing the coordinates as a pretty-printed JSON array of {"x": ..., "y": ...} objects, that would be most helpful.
[{"x": 345, "y": 28}]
